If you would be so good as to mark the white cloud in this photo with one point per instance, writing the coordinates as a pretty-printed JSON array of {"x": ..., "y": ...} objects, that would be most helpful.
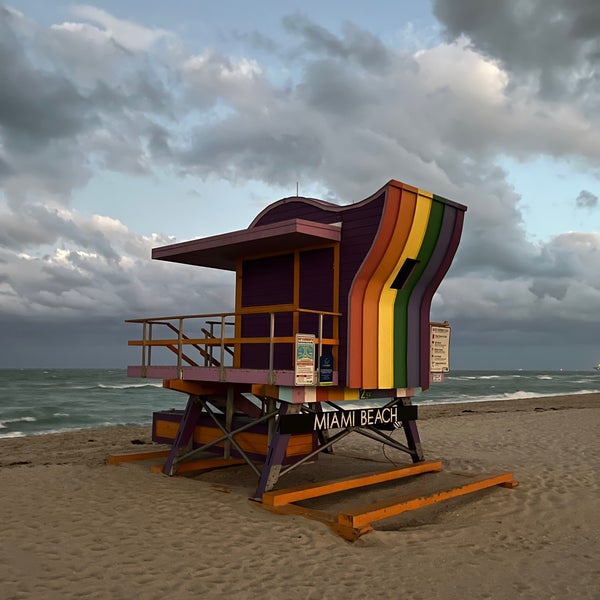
[
  {"x": 129, "y": 35},
  {"x": 104, "y": 94}
]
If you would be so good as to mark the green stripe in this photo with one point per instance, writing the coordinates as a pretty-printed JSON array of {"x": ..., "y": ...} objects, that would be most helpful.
[{"x": 434, "y": 226}]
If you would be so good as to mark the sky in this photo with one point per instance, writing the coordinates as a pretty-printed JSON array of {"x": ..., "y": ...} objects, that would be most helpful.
[{"x": 127, "y": 125}]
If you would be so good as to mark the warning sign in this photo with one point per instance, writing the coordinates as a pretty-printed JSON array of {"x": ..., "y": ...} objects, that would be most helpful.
[
  {"x": 439, "y": 347},
  {"x": 305, "y": 359}
]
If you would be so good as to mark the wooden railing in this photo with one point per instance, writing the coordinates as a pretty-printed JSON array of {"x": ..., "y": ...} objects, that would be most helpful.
[{"x": 221, "y": 341}]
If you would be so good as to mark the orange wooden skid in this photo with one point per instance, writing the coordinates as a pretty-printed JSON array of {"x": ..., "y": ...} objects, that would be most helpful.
[
  {"x": 348, "y": 533},
  {"x": 312, "y": 490},
  {"x": 201, "y": 465},
  {"x": 117, "y": 459},
  {"x": 364, "y": 515}
]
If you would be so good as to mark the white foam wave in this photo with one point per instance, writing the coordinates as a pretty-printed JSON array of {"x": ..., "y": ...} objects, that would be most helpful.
[
  {"x": 125, "y": 386},
  {"x": 17, "y": 420},
  {"x": 519, "y": 395},
  {"x": 12, "y": 434}
]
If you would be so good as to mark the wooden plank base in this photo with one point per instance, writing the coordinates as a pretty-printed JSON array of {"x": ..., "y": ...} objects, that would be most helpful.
[
  {"x": 364, "y": 515},
  {"x": 117, "y": 459},
  {"x": 354, "y": 522},
  {"x": 201, "y": 465},
  {"x": 348, "y": 533},
  {"x": 313, "y": 490}
]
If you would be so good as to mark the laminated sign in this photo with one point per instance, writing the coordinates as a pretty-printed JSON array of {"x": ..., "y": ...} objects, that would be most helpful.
[
  {"x": 305, "y": 359},
  {"x": 440, "y": 348}
]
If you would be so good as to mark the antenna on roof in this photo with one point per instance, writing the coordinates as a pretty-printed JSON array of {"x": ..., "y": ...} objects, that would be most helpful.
[{"x": 296, "y": 189}]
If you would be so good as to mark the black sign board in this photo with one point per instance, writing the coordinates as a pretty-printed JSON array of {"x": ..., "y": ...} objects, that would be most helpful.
[
  {"x": 385, "y": 418},
  {"x": 326, "y": 370}
]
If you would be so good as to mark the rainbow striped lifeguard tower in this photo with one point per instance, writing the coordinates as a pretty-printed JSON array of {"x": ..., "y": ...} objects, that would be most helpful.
[{"x": 332, "y": 309}]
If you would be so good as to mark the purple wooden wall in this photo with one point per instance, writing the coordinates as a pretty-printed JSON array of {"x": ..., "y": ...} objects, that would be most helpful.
[
  {"x": 359, "y": 228},
  {"x": 270, "y": 281}
]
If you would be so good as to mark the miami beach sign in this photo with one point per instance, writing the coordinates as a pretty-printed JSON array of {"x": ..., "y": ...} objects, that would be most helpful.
[{"x": 386, "y": 418}]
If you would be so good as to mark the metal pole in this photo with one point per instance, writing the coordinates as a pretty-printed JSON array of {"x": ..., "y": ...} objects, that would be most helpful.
[
  {"x": 228, "y": 421},
  {"x": 150, "y": 347},
  {"x": 272, "y": 350},
  {"x": 144, "y": 326},
  {"x": 180, "y": 348},
  {"x": 222, "y": 357},
  {"x": 320, "y": 348}
]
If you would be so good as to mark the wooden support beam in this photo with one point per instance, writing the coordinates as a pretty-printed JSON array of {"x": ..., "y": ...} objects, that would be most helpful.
[
  {"x": 117, "y": 459},
  {"x": 200, "y": 465},
  {"x": 364, "y": 515},
  {"x": 312, "y": 490}
]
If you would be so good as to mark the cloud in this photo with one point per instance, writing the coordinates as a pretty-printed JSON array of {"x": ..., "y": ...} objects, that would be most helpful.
[
  {"x": 101, "y": 93},
  {"x": 586, "y": 199},
  {"x": 129, "y": 35},
  {"x": 552, "y": 44},
  {"x": 72, "y": 100}
]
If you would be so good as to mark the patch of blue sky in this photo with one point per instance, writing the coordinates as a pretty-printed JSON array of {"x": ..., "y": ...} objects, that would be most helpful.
[
  {"x": 183, "y": 207},
  {"x": 549, "y": 189}
]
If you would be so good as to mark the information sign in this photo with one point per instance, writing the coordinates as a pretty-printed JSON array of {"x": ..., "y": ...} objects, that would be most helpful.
[
  {"x": 439, "y": 347},
  {"x": 326, "y": 370},
  {"x": 305, "y": 359}
]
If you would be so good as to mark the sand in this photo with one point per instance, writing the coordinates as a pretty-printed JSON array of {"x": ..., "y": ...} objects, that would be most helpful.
[{"x": 74, "y": 527}]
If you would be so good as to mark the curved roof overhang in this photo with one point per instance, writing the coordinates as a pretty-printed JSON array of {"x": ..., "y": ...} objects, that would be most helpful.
[{"x": 223, "y": 251}]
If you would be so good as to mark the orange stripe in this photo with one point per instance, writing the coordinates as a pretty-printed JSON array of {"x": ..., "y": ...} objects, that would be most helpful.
[
  {"x": 359, "y": 286},
  {"x": 406, "y": 203},
  {"x": 387, "y": 321}
]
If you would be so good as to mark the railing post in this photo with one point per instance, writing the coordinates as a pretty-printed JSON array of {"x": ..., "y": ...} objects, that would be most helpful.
[
  {"x": 320, "y": 348},
  {"x": 272, "y": 350},
  {"x": 149, "y": 355},
  {"x": 222, "y": 357},
  {"x": 180, "y": 348},
  {"x": 144, "y": 326},
  {"x": 208, "y": 362}
]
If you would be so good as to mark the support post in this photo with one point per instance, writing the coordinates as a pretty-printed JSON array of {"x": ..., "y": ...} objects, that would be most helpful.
[
  {"x": 275, "y": 454},
  {"x": 184, "y": 433},
  {"x": 412, "y": 434},
  {"x": 228, "y": 420}
]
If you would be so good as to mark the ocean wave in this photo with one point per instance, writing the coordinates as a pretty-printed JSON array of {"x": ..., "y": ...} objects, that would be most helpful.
[
  {"x": 125, "y": 386},
  {"x": 101, "y": 425},
  {"x": 12, "y": 434},
  {"x": 3, "y": 422},
  {"x": 518, "y": 395},
  {"x": 61, "y": 415}
]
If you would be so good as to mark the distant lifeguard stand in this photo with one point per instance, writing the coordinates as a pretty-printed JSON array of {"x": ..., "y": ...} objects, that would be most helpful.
[{"x": 332, "y": 307}]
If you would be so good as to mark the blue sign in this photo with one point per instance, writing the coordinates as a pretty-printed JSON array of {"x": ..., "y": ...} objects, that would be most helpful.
[{"x": 326, "y": 370}]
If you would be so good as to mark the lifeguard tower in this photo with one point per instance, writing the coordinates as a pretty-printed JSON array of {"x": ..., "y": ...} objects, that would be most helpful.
[{"x": 331, "y": 310}]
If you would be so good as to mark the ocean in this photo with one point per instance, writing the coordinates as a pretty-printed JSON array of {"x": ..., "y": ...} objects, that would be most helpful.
[{"x": 39, "y": 401}]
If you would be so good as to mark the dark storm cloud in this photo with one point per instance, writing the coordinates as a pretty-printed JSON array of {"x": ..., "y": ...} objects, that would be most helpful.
[
  {"x": 557, "y": 41},
  {"x": 71, "y": 97},
  {"x": 356, "y": 44},
  {"x": 586, "y": 199},
  {"x": 351, "y": 114},
  {"x": 35, "y": 224},
  {"x": 35, "y": 105}
]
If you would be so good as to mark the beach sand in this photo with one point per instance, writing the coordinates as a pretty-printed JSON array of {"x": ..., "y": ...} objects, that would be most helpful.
[{"x": 74, "y": 527}]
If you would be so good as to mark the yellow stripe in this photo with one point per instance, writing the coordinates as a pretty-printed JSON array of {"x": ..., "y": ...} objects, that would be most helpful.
[
  {"x": 351, "y": 394},
  {"x": 388, "y": 295},
  {"x": 393, "y": 246}
]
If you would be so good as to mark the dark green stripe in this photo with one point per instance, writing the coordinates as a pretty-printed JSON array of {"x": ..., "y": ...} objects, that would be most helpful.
[{"x": 402, "y": 298}]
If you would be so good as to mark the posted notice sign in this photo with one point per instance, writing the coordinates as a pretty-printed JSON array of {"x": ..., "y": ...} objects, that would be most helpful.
[
  {"x": 440, "y": 348},
  {"x": 305, "y": 359}
]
